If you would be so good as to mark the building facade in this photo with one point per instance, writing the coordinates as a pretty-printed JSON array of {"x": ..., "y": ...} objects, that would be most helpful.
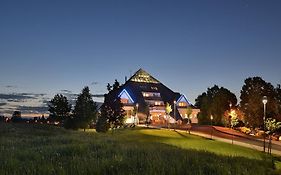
[{"x": 145, "y": 99}]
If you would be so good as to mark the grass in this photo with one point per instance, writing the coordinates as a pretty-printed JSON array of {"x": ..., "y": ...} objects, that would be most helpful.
[{"x": 42, "y": 149}]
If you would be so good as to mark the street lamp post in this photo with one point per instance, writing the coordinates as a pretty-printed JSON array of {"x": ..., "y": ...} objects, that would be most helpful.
[
  {"x": 137, "y": 108},
  {"x": 168, "y": 121},
  {"x": 230, "y": 105},
  {"x": 185, "y": 116},
  {"x": 264, "y": 101},
  {"x": 230, "y": 121},
  {"x": 212, "y": 126},
  {"x": 175, "y": 114}
]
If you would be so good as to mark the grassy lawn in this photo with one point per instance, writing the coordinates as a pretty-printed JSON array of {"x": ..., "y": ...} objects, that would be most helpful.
[{"x": 42, "y": 149}]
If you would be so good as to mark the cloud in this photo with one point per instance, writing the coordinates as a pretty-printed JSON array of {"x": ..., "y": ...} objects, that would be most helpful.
[
  {"x": 7, "y": 110},
  {"x": 45, "y": 101},
  {"x": 16, "y": 96},
  {"x": 33, "y": 109},
  {"x": 12, "y": 101},
  {"x": 71, "y": 96},
  {"x": 94, "y": 83},
  {"x": 66, "y": 91},
  {"x": 32, "y": 95},
  {"x": 3, "y": 104},
  {"x": 20, "y": 96},
  {"x": 16, "y": 100},
  {"x": 98, "y": 95},
  {"x": 33, "y": 103},
  {"x": 10, "y": 86},
  {"x": 38, "y": 95}
]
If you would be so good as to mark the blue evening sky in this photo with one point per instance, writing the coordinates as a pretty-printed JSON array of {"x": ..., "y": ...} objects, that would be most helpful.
[{"x": 51, "y": 45}]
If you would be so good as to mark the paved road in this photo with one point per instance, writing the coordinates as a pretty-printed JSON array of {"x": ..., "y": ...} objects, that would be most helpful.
[{"x": 226, "y": 135}]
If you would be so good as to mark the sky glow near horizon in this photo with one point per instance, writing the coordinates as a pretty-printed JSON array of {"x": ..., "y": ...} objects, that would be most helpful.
[{"x": 50, "y": 47}]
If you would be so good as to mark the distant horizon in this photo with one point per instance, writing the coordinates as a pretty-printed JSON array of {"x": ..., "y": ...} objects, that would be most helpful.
[{"x": 70, "y": 95}]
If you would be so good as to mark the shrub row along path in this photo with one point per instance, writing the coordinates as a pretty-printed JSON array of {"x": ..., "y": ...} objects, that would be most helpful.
[{"x": 226, "y": 135}]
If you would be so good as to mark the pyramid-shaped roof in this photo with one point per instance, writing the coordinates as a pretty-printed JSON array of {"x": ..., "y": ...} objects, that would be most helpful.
[{"x": 144, "y": 77}]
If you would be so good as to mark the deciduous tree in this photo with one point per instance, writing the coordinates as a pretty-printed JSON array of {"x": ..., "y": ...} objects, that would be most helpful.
[
  {"x": 251, "y": 104},
  {"x": 271, "y": 126},
  {"x": 188, "y": 112},
  {"x": 168, "y": 110},
  {"x": 59, "y": 108},
  {"x": 214, "y": 102},
  {"x": 278, "y": 98}
]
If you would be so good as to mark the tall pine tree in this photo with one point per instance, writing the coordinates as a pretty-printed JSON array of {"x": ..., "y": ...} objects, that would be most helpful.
[
  {"x": 112, "y": 112},
  {"x": 85, "y": 110},
  {"x": 102, "y": 123}
]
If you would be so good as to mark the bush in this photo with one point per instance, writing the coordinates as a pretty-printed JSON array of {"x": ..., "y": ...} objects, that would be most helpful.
[
  {"x": 203, "y": 119},
  {"x": 102, "y": 124},
  {"x": 70, "y": 123}
]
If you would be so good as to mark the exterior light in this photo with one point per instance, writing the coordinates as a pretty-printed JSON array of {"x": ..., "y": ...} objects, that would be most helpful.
[
  {"x": 137, "y": 106},
  {"x": 175, "y": 114},
  {"x": 211, "y": 117},
  {"x": 230, "y": 116},
  {"x": 230, "y": 105},
  {"x": 264, "y": 101}
]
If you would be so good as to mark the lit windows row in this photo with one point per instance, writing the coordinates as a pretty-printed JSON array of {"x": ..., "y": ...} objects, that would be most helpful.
[
  {"x": 158, "y": 103},
  {"x": 182, "y": 104},
  {"x": 154, "y": 103},
  {"x": 151, "y": 94}
]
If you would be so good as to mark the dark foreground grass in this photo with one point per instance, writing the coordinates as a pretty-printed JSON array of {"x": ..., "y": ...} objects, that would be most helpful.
[{"x": 42, "y": 149}]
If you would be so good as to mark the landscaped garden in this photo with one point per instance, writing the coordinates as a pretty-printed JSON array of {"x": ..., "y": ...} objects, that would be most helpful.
[{"x": 45, "y": 149}]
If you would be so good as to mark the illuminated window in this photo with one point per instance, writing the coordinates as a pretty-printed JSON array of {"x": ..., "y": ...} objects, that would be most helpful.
[
  {"x": 142, "y": 76},
  {"x": 156, "y": 94},
  {"x": 182, "y": 104},
  {"x": 124, "y": 100},
  {"x": 145, "y": 94},
  {"x": 158, "y": 103},
  {"x": 154, "y": 88},
  {"x": 151, "y": 94}
]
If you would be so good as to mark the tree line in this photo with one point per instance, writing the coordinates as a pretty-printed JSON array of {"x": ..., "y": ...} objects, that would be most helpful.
[
  {"x": 217, "y": 104},
  {"x": 85, "y": 113},
  {"x": 221, "y": 104}
]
